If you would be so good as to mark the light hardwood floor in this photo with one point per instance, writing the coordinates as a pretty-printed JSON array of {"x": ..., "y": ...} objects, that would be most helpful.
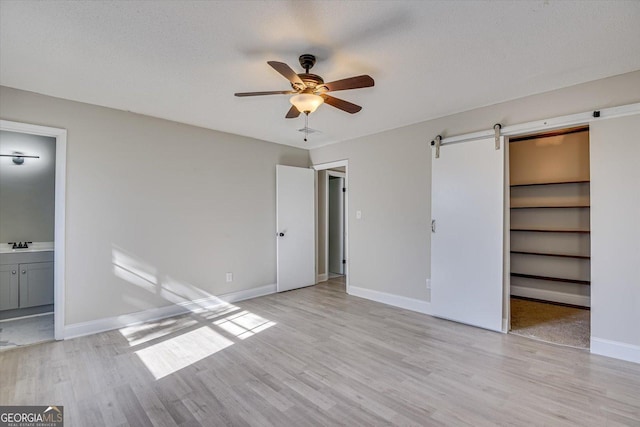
[{"x": 318, "y": 357}]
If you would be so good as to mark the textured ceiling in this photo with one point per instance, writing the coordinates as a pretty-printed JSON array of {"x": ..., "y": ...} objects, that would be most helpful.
[{"x": 183, "y": 60}]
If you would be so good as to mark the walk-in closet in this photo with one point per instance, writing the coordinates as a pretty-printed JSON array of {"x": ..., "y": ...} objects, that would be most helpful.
[{"x": 550, "y": 236}]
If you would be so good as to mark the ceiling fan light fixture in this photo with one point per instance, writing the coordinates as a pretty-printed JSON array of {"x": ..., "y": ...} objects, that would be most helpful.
[{"x": 306, "y": 102}]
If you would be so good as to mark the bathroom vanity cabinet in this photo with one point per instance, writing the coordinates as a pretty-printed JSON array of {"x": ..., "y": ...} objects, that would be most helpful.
[{"x": 26, "y": 279}]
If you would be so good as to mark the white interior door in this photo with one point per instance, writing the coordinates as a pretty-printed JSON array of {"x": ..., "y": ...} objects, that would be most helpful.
[
  {"x": 295, "y": 210},
  {"x": 467, "y": 244}
]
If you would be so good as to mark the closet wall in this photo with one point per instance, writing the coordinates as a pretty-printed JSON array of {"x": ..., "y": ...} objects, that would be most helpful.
[{"x": 550, "y": 219}]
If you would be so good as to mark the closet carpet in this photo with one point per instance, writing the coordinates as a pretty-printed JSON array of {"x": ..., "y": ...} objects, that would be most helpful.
[{"x": 552, "y": 323}]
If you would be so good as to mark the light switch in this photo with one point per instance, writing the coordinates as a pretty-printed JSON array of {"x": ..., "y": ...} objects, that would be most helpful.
[
  {"x": 229, "y": 277},
  {"x": 358, "y": 214}
]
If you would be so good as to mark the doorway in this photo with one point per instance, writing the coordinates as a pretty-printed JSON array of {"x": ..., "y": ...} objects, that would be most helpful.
[
  {"x": 335, "y": 224},
  {"x": 332, "y": 225},
  {"x": 549, "y": 194},
  {"x": 32, "y": 257}
]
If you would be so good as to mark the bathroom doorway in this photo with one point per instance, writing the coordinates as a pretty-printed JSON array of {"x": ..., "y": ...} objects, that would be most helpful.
[
  {"x": 32, "y": 171},
  {"x": 332, "y": 225}
]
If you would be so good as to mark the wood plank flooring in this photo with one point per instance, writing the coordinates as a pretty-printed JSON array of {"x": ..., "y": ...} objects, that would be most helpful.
[{"x": 318, "y": 357}]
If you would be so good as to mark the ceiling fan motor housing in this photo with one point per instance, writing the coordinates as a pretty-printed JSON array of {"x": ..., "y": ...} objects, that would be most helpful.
[{"x": 312, "y": 81}]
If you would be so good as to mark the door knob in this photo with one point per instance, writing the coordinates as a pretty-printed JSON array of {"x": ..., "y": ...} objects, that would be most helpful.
[
  {"x": 281, "y": 234},
  {"x": 13, "y": 272},
  {"x": 24, "y": 271}
]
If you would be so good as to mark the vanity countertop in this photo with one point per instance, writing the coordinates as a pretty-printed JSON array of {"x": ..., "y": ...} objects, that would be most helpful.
[{"x": 36, "y": 252}]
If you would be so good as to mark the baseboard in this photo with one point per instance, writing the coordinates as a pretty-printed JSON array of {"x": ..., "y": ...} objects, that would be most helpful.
[
  {"x": 615, "y": 349},
  {"x": 117, "y": 322},
  {"x": 391, "y": 299},
  {"x": 543, "y": 294},
  {"x": 323, "y": 277}
]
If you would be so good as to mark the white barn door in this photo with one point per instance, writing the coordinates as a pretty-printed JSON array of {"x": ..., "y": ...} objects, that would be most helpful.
[
  {"x": 467, "y": 240},
  {"x": 295, "y": 215}
]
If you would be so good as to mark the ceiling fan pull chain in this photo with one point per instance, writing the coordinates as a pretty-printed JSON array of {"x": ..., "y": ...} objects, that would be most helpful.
[{"x": 306, "y": 126}]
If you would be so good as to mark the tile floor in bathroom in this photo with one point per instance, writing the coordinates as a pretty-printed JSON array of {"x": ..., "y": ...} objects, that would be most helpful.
[{"x": 26, "y": 331}]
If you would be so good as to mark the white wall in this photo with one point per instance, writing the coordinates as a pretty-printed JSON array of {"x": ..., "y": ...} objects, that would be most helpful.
[
  {"x": 390, "y": 180},
  {"x": 157, "y": 211},
  {"x": 27, "y": 190},
  {"x": 615, "y": 237}
]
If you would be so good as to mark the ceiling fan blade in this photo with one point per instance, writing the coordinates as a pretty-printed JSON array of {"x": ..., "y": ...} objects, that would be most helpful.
[
  {"x": 273, "y": 92},
  {"x": 287, "y": 72},
  {"x": 293, "y": 113},
  {"x": 341, "y": 104},
  {"x": 350, "y": 83}
]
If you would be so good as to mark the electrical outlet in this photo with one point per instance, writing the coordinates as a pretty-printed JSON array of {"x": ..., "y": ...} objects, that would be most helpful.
[
  {"x": 358, "y": 214},
  {"x": 229, "y": 277}
]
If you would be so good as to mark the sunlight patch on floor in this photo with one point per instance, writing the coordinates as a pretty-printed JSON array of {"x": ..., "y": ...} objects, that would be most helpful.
[
  {"x": 244, "y": 324},
  {"x": 171, "y": 355},
  {"x": 145, "y": 332}
]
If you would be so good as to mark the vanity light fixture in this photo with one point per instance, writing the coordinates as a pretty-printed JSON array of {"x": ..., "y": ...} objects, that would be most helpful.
[{"x": 18, "y": 158}]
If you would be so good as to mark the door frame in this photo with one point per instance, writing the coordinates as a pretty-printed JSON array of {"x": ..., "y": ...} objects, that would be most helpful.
[
  {"x": 59, "y": 208},
  {"x": 326, "y": 166},
  {"x": 326, "y": 218}
]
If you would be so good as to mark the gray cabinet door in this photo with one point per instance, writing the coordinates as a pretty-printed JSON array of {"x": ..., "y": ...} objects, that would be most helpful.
[
  {"x": 36, "y": 284},
  {"x": 9, "y": 289}
]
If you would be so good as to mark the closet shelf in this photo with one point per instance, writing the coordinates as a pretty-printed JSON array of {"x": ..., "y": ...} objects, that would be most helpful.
[
  {"x": 550, "y": 207},
  {"x": 551, "y": 230},
  {"x": 552, "y": 254},
  {"x": 550, "y": 183},
  {"x": 551, "y": 279}
]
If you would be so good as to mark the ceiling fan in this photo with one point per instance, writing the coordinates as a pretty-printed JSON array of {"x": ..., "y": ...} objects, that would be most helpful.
[{"x": 310, "y": 90}]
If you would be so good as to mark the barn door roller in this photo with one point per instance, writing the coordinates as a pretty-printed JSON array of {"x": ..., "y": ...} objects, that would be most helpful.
[
  {"x": 436, "y": 143},
  {"x": 496, "y": 129}
]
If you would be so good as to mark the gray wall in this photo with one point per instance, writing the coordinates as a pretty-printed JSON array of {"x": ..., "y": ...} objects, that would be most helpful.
[
  {"x": 27, "y": 191},
  {"x": 390, "y": 180},
  {"x": 157, "y": 211}
]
